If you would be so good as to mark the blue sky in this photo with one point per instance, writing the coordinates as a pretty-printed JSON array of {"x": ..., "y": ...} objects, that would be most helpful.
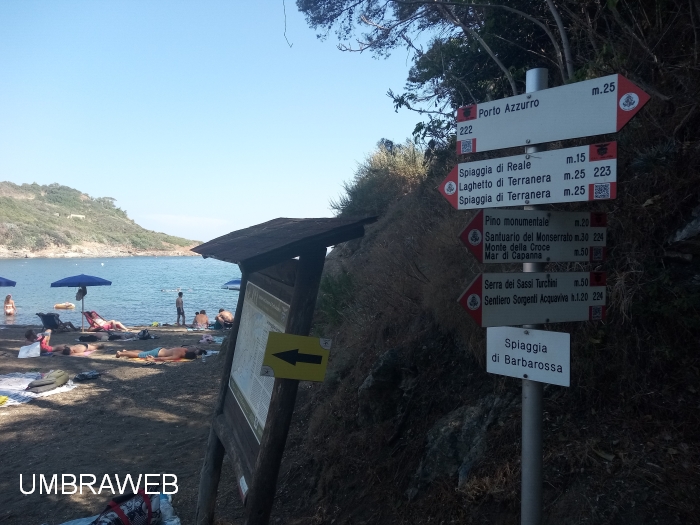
[{"x": 196, "y": 116}]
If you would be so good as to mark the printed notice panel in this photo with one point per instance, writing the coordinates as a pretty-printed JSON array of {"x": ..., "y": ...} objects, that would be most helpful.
[
  {"x": 584, "y": 173},
  {"x": 592, "y": 107},
  {"x": 537, "y": 355},
  {"x": 501, "y": 299},
  {"x": 262, "y": 313},
  {"x": 507, "y": 236},
  {"x": 296, "y": 357}
]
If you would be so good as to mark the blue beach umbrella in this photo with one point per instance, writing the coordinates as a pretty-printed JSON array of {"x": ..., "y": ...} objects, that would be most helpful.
[
  {"x": 81, "y": 281},
  {"x": 234, "y": 284},
  {"x": 6, "y": 282}
]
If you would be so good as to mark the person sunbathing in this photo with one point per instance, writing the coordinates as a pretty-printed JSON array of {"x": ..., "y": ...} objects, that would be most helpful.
[
  {"x": 101, "y": 324},
  {"x": 79, "y": 348},
  {"x": 45, "y": 338},
  {"x": 163, "y": 354}
]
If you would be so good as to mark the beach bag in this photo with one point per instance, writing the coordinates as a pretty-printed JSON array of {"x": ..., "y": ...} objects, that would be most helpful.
[
  {"x": 144, "y": 334},
  {"x": 52, "y": 380},
  {"x": 131, "y": 509},
  {"x": 32, "y": 350}
]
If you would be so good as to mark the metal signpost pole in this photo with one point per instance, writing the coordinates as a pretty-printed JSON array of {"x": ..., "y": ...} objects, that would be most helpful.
[{"x": 531, "y": 462}]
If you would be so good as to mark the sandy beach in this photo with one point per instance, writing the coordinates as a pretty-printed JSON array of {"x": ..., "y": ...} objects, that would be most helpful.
[{"x": 136, "y": 418}]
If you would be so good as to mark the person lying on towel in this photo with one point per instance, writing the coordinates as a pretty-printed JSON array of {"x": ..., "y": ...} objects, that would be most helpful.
[
  {"x": 45, "y": 337},
  {"x": 79, "y": 348},
  {"x": 163, "y": 354}
]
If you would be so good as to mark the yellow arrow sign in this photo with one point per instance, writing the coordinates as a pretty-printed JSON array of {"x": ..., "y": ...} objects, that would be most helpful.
[{"x": 295, "y": 357}]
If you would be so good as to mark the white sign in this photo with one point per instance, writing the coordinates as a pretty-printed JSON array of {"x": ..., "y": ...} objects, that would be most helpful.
[
  {"x": 500, "y": 299},
  {"x": 507, "y": 236},
  {"x": 537, "y": 355},
  {"x": 584, "y": 173},
  {"x": 593, "y": 107},
  {"x": 262, "y": 313}
]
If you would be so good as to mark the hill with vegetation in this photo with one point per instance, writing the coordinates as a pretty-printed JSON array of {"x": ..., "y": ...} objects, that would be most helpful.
[
  {"x": 55, "y": 220},
  {"x": 408, "y": 427}
]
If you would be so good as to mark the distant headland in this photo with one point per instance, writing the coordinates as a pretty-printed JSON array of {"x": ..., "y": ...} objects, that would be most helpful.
[{"x": 53, "y": 221}]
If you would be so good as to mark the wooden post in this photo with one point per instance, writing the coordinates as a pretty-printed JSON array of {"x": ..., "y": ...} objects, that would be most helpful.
[
  {"x": 213, "y": 460},
  {"x": 209, "y": 479},
  {"x": 284, "y": 393}
]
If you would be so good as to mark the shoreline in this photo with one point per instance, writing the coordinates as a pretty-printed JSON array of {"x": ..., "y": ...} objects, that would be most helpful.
[{"x": 92, "y": 251}]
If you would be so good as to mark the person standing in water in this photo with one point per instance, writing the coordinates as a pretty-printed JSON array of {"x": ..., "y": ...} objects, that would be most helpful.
[
  {"x": 10, "y": 308},
  {"x": 180, "y": 309}
]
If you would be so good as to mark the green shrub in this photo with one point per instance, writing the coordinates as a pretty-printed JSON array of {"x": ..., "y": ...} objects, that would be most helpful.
[
  {"x": 335, "y": 294},
  {"x": 387, "y": 174}
]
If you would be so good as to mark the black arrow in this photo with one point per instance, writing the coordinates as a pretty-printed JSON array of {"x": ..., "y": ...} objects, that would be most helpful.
[{"x": 293, "y": 357}]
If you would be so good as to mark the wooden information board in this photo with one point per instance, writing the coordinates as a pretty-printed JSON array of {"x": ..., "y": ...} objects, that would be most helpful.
[{"x": 265, "y": 309}]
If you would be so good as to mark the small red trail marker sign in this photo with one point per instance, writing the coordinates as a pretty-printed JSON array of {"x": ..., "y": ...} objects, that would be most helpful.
[
  {"x": 584, "y": 173},
  {"x": 593, "y": 107},
  {"x": 501, "y": 299},
  {"x": 508, "y": 236}
]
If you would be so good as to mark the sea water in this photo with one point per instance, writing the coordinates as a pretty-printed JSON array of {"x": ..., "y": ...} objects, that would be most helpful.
[{"x": 143, "y": 289}]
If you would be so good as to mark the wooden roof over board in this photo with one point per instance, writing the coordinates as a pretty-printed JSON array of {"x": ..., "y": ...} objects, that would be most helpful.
[{"x": 281, "y": 239}]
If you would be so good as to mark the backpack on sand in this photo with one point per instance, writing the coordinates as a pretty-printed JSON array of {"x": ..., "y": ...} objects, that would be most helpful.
[
  {"x": 144, "y": 334},
  {"x": 52, "y": 380},
  {"x": 131, "y": 509}
]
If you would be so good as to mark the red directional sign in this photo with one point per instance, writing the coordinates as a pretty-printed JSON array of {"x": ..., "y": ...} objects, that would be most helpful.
[
  {"x": 503, "y": 299},
  {"x": 593, "y": 107},
  {"x": 508, "y": 236}
]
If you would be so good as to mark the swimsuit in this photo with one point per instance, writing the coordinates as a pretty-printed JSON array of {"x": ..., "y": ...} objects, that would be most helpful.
[
  {"x": 152, "y": 353},
  {"x": 180, "y": 310},
  {"x": 43, "y": 344}
]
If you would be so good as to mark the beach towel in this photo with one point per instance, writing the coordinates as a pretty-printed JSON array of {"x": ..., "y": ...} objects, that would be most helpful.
[
  {"x": 31, "y": 350},
  {"x": 111, "y": 336},
  {"x": 91, "y": 338},
  {"x": 122, "y": 336},
  {"x": 13, "y": 386},
  {"x": 212, "y": 339},
  {"x": 178, "y": 360}
]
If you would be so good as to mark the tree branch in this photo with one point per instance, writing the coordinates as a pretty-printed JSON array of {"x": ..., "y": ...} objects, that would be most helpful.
[
  {"x": 468, "y": 30},
  {"x": 564, "y": 38},
  {"x": 532, "y": 19}
]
